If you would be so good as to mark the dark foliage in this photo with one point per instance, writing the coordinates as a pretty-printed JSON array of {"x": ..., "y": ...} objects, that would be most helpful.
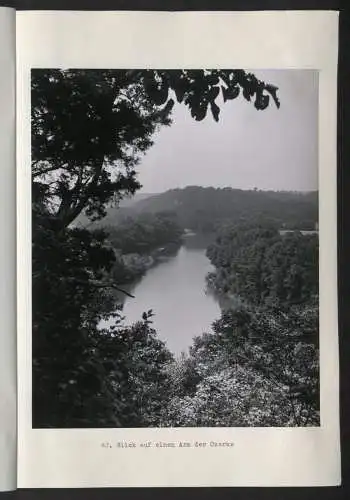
[
  {"x": 68, "y": 383},
  {"x": 89, "y": 128},
  {"x": 264, "y": 267},
  {"x": 257, "y": 368},
  {"x": 144, "y": 233},
  {"x": 199, "y": 89}
]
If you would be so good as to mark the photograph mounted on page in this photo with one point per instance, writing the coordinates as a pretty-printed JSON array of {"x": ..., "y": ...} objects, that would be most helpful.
[{"x": 175, "y": 271}]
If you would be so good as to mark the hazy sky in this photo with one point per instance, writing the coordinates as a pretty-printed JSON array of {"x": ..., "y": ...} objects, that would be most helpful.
[{"x": 270, "y": 149}]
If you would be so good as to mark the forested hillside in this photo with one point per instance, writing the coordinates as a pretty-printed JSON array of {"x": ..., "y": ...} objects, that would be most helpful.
[
  {"x": 264, "y": 267},
  {"x": 139, "y": 242},
  {"x": 144, "y": 233},
  {"x": 202, "y": 209}
]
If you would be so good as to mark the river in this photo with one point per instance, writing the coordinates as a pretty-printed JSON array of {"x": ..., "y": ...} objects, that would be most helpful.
[{"x": 175, "y": 290}]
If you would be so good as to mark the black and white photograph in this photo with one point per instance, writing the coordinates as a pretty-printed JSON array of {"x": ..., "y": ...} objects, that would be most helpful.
[{"x": 175, "y": 248}]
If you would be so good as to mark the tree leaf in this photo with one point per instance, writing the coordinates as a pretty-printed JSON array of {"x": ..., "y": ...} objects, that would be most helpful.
[{"x": 215, "y": 111}]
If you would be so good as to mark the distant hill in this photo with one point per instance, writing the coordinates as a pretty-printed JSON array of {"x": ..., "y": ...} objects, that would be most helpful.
[
  {"x": 137, "y": 197},
  {"x": 201, "y": 209}
]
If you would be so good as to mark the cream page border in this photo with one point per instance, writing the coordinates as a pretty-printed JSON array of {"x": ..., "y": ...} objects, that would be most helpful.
[
  {"x": 8, "y": 466},
  {"x": 257, "y": 40}
]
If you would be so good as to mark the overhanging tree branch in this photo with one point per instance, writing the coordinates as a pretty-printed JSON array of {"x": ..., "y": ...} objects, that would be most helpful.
[{"x": 103, "y": 284}]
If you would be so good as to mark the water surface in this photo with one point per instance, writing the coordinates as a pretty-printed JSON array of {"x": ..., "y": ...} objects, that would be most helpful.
[{"x": 175, "y": 290}]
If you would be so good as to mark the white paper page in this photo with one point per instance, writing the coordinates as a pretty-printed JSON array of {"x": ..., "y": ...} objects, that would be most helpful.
[
  {"x": 259, "y": 456},
  {"x": 8, "y": 467}
]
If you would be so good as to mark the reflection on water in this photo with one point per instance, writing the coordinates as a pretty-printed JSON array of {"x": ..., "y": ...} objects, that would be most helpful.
[{"x": 175, "y": 290}]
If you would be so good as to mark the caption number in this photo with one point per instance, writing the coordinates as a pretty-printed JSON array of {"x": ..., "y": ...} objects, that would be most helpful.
[{"x": 106, "y": 444}]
